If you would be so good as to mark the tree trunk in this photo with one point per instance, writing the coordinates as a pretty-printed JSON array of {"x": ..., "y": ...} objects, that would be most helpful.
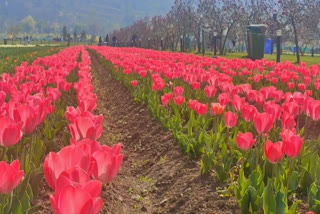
[
  {"x": 296, "y": 39},
  {"x": 198, "y": 40},
  {"x": 225, "y": 39}
]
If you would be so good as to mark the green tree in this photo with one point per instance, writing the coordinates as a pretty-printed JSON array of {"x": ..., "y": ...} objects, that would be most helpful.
[
  {"x": 28, "y": 24},
  {"x": 83, "y": 36},
  {"x": 75, "y": 35},
  {"x": 64, "y": 33}
]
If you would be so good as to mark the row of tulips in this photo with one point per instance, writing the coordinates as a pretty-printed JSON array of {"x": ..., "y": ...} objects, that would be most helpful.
[
  {"x": 69, "y": 171},
  {"x": 26, "y": 98},
  {"x": 255, "y": 135}
]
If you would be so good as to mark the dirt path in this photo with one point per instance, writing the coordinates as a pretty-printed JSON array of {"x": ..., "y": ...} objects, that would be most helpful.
[{"x": 155, "y": 177}]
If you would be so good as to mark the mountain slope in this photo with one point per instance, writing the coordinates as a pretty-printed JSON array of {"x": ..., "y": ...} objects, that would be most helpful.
[{"x": 97, "y": 15}]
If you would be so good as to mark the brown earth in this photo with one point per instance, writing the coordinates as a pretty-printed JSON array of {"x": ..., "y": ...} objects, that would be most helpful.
[{"x": 155, "y": 176}]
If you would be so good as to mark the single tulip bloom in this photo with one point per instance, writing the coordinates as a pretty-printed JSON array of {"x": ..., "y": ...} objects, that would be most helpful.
[
  {"x": 263, "y": 122},
  {"x": 143, "y": 73},
  {"x": 29, "y": 118},
  {"x": 274, "y": 109},
  {"x": 273, "y": 151},
  {"x": 290, "y": 85},
  {"x": 84, "y": 127},
  {"x": 245, "y": 141},
  {"x": 292, "y": 146},
  {"x": 66, "y": 159},
  {"x": 192, "y": 104},
  {"x": 195, "y": 85},
  {"x": 10, "y": 131},
  {"x": 76, "y": 199},
  {"x": 288, "y": 121},
  {"x": 201, "y": 109},
  {"x": 210, "y": 91},
  {"x": 166, "y": 98},
  {"x": 3, "y": 97},
  {"x": 292, "y": 108},
  {"x": 230, "y": 119},
  {"x": 179, "y": 100},
  {"x": 107, "y": 163},
  {"x": 53, "y": 94},
  {"x": 238, "y": 102},
  {"x": 134, "y": 83},
  {"x": 178, "y": 91},
  {"x": 313, "y": 109},
  {"x": 11, "y": 176},
  {"x": 302, "y": 87},
  {"x": 217, "y": 109},
  {"x": 248, "y": 112},
  {"x": 224, "y": 99}
]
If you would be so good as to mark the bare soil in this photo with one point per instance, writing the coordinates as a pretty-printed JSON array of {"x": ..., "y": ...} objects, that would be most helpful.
[{"x": 155, "y": 176}]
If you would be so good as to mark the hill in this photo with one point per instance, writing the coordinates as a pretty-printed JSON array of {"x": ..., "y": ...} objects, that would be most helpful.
[{"x": 97, "y": 16}]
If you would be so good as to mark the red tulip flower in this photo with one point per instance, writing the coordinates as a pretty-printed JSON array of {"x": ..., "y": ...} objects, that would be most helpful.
[
  {"x": 292, "y": 108},
  {"x": 143, "y": 73},
  {"x": 134, "y": 83},
  {"x": 201, "y": 109},
  {"x": 210, "y": 91},
  {"x": 292, "y": 145},
  {"x": 53, "y": 94},
  {"x": 273, "y": 151},
  {"x": 179, "y": 100},
  {"x": 178, "y": 91},
  {"x": 230, "y": 119},
  {"x": 251, "y": 95},
  {"x": 107, "y": 163},
  {"x": 307, "y": 80},
  {"x": 288, "y": 121},
  {"x": 84, "y": 127},
  {"x": 274, "y": 80},
  {"x": 245, "y": 141},
  {"x": 238, "y": 102},
  {"x": 11, "y": 176},
  {"x": 290, "y": 85},
  {"x": 313, "y": 109},
  {"x": 3, "y": 97},
  {"x": 248, "y": 112},
  {"x": 224, "y": 99},
  {"x": 10, "y": 132},
  {"x": 308, "y": 93},
  {"x": 217, "y": 109},
  {"x": 66, "y": 159},
  {"x": 260, "y": 99},
  {"x": 166, "y": 99},
  {"x": 74, "y": 198},
  {"x": 274, "y": 109},
  {"x": 263, "y": 122},
  {"x": 192, "y": 104},
  {"x": 302, "y": 87},
  {"x": 28, "y": 116},
  {"x": 195, "y": 85}
]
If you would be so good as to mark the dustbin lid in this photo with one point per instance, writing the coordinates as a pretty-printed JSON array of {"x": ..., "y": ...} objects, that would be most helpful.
[{"x": 263, "y": 26}]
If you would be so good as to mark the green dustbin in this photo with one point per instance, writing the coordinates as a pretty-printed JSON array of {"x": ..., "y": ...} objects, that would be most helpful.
[{"x": 256, "y": 37}]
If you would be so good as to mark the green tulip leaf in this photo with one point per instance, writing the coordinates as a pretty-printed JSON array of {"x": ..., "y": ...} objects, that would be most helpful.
[
  {"x": 206, "y": 163},
  {"x": 293, "y": 208},
  {"x": 269, "y": 202},
  {"x": 280, "y": 203}
]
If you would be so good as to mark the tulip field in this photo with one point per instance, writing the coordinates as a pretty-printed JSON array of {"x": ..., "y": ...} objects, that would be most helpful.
[
  {"x": 253, "y": 123},
  {"x": 251, "y": 126},
  {"x": 34, "y": 112}
]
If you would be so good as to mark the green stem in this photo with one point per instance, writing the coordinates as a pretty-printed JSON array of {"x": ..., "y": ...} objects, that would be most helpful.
[
  {"x": 2, "y": 153},
  {"x": 10, "y": 202},
  {"x": 259, "y": 151},
  {"x": 289, "y": 175}
]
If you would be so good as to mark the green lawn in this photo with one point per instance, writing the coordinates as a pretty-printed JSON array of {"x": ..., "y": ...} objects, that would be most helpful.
[{"x": 292, "y": 58}]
